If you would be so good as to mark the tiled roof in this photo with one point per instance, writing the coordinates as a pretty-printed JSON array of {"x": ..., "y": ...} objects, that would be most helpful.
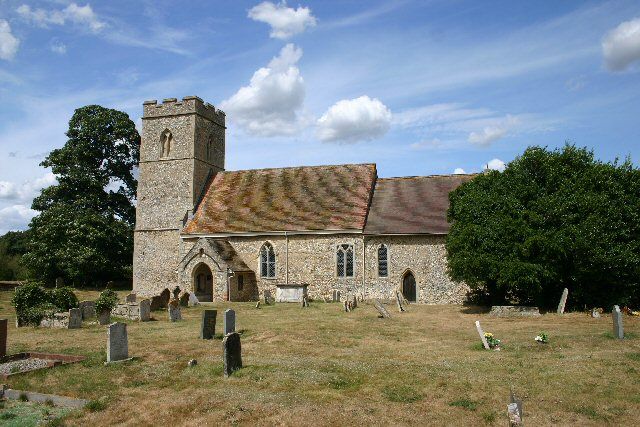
[
  {"x": 412, "y": 205},
  {"x": 286, "y": 199}
]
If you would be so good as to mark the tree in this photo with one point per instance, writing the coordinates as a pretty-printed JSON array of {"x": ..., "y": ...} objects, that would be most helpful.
[
  {"x": 12, "y": 247},
  {"x": 552, "y": 219},
  {"x": 84, "y": 232}
]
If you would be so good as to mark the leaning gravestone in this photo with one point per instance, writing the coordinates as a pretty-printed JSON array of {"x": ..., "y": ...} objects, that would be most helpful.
[
  {"x": 482, "y": 337},
  {"x": 618, "y": 329},
  {"x": 229, "y": 321},
  {"x": 174, "y": 310},
  {"x": 231, "y": 353},
  {"x": 117, "y": 342},
  {"x": 383, "y": 311},
  {"x": 3, "y": 337},
  {"x": 563, "y": 301},
  {"x": 399, "y": 302},
  {"x": 208, "y": 324}
]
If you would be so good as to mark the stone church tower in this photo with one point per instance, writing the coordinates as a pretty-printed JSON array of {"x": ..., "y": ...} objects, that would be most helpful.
[{"x": 183, "y": 146}]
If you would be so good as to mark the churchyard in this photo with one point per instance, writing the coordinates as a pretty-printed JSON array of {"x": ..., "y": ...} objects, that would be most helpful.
[{"x": 321, "y": 365}]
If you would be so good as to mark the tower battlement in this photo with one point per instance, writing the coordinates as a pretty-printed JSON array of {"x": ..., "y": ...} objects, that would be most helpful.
[{"x": 188, "y": 105}]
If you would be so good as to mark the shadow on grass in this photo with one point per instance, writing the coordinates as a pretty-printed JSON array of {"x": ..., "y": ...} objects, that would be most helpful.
[{"x": 475, "y": 309}]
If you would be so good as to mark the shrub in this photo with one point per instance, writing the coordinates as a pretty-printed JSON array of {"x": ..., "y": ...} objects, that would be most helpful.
[
  {"x": 106, "y": 301},
  {"x": 33, "y": 302},
  {"x": 63, "y": 298}
]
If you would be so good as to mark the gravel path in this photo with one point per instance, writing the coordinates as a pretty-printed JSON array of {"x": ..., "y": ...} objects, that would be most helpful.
[{"x": 22, "y": 365}]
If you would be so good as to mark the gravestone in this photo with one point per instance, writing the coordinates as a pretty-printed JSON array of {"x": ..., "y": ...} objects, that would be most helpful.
[
  {"x": 174, "y": 310},
  {"x": 595, "y": 313},
  {"x": 75, "y": 318},
  {"x": 482, "y": 337},
  {"x": 231, "y": 353},
  {"x": 208, "y": 324},
  {"x": 383, "y": 311},
  {"x": 563, "y": 301},
  {"x": 3, "y": 337},
  {"x": 336, "y": 295},
  {"x": 229, "y": 321},
  {"x": 184, "y": 299},
  {"x": 399, "y": 302},
  {"x": 145, "y": 310},
  {"x": 513, "y": 400},
  {"x": 268, "y": 299},
  {"x": 514, "y": 415},
  {"x": 130, "y": 298},
  {"x": 618, "y": 330},
  {"x": 305, "y": 303},
  {"x": 346, "y": 307},
  {"x": 355, "y": 301},
  {"x": 87, "y": 309},
  {"x": 117, "y": 342},
  {"x": 258, "y": 304},
  {"x": 193, "y": 300}
]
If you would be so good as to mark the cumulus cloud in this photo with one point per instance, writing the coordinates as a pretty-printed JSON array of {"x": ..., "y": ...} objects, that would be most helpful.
[
  {"x": 80, "y": 15},
  {"x": 28, "y": 190},
  {"x": 58, "y": 47},
  {"x": 490, "y": 134},
  {"x": 621, "y": 46},
  {"x": 15, "y": 217},
  {"x": 459, "y": 171},
  {"x": 354, "y": 120},
  {"x": 284, "y": 21},
  {"x": 8, "y": 42},
  {"x": 269, "y": 105},
  {"x": 495, "y": 164}
]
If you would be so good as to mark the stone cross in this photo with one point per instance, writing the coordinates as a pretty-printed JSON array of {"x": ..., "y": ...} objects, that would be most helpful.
[
  {"x": 383, "y": 311},
  {"x": 117, "y": 342},
  {"x": 618, "y": 330},
  {"x": 229, "y": 321},
  {"x": 208, "y": 324},
  {"x": 3, "y": 337},
  {"x": 399, "y": 302},
  {"x": 482, "y": 337},
  {"x": 231, "y": 353},
  {"x": 563, "y": 301}
]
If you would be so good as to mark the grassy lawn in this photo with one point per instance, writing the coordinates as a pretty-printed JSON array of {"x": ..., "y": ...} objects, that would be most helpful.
[{"x": 321, "y": 366}]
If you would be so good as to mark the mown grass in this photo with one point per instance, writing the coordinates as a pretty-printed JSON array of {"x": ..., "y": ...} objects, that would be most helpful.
[{"x": 322, "y": 366}]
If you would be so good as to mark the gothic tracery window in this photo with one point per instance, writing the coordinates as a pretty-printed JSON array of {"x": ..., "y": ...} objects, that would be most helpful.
[
  {"x": 383, "y": 261},
  {"x": 344, "y": 260},
  {"x": 166, "y": 142},
  {"x": 267, "y": 261}
]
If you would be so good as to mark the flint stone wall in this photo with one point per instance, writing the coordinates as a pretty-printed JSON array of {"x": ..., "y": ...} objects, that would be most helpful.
[{"x": 65, "y": 320}]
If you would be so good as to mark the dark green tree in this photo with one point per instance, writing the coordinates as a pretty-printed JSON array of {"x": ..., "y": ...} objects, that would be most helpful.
[
  {"x": 552, "y": 219},
  {"x": 84, "y": 231},
  {"x": 12, "y": 246}
]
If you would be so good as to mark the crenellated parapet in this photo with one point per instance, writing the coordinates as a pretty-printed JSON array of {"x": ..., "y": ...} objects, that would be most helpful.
[{"x": 188, "y": 105}]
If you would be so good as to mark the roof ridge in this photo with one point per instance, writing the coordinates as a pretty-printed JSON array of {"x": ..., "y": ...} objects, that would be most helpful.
[
  {"x": 431, "y": 176},
  {"x": 301, "y": 167}
]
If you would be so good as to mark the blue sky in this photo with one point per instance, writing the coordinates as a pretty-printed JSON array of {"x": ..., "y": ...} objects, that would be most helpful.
[{"x": 418, "y": 87}]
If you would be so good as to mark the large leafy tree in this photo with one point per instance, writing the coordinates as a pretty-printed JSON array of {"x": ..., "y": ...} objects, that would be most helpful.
[
  {"x": 84, "y": 232},
  {"x": 552, "y": 219}
]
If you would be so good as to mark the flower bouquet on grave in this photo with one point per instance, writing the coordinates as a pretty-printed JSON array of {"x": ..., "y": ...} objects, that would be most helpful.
[
  {"x": 493, "y": 342},
  {"x": 542, "y": 338}
]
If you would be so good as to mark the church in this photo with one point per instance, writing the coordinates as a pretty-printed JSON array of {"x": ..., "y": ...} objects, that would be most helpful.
[{"x": 308, "y": 230}]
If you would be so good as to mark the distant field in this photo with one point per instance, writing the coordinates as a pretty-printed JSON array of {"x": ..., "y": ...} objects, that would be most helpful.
[{"x": 320, "y": 366}]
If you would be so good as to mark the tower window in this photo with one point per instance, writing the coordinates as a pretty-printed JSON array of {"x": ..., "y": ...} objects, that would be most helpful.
[
  {"x": 383, "y": 262},
  {"x": 209, "y": 148},
  {"x": 267, "y": 261},
  {"x": 166, "y": 142},
  {"x": 344, "y": 261}
]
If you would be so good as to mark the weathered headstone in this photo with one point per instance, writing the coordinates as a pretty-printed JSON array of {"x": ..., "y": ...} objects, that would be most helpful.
[
  {"x": 184, "y": 299},
  {"x": 145, "y": 310},
  {"x": 176, "y": 293},
  {"x": 618, "y": 329},
  {"x": 229, "y": 321},
  {"x": 75, "y": 318},
  {"x": 383, "y": 311},
  {"x": 514, "y": 415},
  {"x": 355, "y": 301},
  {"x": 336, "y": 295},
  {"x": 174, "y": 310},
  {"x": 346, "y": 306},
  {"x": 563, "y": 301},
  {"x": 193, "y": 300},
  {"x": 130, "y": 297},
  {"x": 117, "y": 342},
  {"x": 518, "y": 402},
  {"x": 231, "y": 353},
  {"x": 3, "y": 337},
  {"x": 208, "y": 324},
  {"x": 268, "y": 299},
  {"x": 88, "y": 309},
  {"x": 305, "y": 302},
  {"x": 399, "y": 302},
  {"x": 482, "y": 337}
]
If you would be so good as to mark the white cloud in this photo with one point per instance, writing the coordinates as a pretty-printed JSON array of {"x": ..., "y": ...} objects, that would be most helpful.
[
  {"x": 15, "y": 217},
  {"x": 58, "y": 47},
  {"x": 80, "y": 15},
  {"x": 8, "y": 42},
  {"x": 495, "y": 164},
  {"x": 353, "y": 120},
  {"x": 490, "y": 134},
  {"x": 269, "y": 105},
  {"x": 28, "y": 190},
  {"x": 621, "y": 46},
  {"x": 284, "y": 21},
  {"x": 429, "y": 143},
  {"x": 459, "y": 171}
]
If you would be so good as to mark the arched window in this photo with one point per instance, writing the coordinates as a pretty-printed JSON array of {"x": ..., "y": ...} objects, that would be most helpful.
[
  {"x": 383, "y": 261},
  {"x": 267, "y": 261},
  {"x": 166, "y": 142},
  {"x": 344, "y": 260},
  {"x": 209, "y": 148}
]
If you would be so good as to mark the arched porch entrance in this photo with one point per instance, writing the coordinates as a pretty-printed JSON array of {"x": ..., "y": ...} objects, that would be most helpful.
[
  {"x": 203, "y": 283},
  {"x": 409, "y": 286}
]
